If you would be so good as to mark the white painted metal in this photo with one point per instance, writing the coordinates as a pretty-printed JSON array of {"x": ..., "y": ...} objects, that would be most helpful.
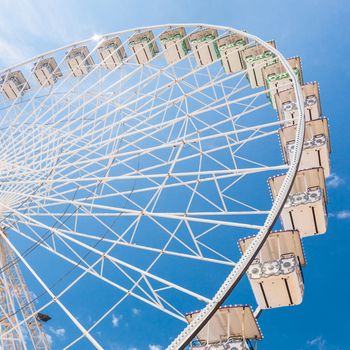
[
  {"x": 43, "y": 176},
  {"x": 191, "y": 330},
  {"x": 13, "y": 288}
]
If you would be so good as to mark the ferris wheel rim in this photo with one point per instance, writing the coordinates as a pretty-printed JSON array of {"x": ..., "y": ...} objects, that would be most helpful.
[
  {"x": 184, "y": 338},
  {"x": 280, "y": 200}
]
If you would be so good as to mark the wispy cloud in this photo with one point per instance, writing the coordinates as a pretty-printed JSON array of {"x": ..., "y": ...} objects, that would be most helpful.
[
  {"x": 117, "y": 346},
  {"x": 11, "y": 53},
  {"x": 89, "y": 319},
  {"x": 135, "y": 311},
  {"x": 343, "y": 214},
  {"x": 49, "y": 338},
  {"x": 318, "y": 342},
  {"x": 116, "y": 320},
  {"x": 334, "y": 181},
  {"x": 58, "y": 332},
  {"x": 154, "y": 347},
  {"x": 35, "y": 28}
]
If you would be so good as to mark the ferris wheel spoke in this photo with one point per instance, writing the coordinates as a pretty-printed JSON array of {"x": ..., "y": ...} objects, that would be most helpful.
[
  {"x": 9, "y": 316},
  {"x": 143, "y": 212},
  {"x": 143, "y": 273},
  {"x": 194, "y": 140},
  {"x": 101, "y": 277},
  {"x": 159, "y": 298},
  {"x": 166, "y": 104},
  {"x": 111, "y": 258},
  {"x": 177, "y": 216},
  {"x": 241, "y": 131},
  {"x": 109, "y": 87},
  {"x": 121, "y": 241},
  {"x": 152, "y": 296},
  {"x": 54, "y": 297},
  {"x": 203, "y": 180},
  {"x": 136, "y": 219},
  {"x": 97, "y": 322},
  {"x": 67, "y": 76},
  {"x": 40, "y": 200},
  {"x": 225, "y": 261},
  {"x": 154, "y": 148},
  {"x": 226, "y": 170},
  {"x": 160, "y": 189},
  {"x": 75, "y": 281},
  {"x": 120, "y": 166}
]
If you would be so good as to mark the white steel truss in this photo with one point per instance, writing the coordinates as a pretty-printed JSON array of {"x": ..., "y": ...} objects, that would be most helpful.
[{"x": 157, "y": 160}]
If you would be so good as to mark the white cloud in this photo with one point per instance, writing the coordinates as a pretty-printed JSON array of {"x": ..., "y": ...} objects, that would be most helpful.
[
  {"x": 89, "y": 319},
  {"x": 154, "y": 347},
  {"x": 136, "y": 311},
  {"x": 115, "y": 320},
  {"x": 318, "y": 342},
  {"x": 59, "y": 332},
  {"x": 49, "y": 338},
  {"x": 27, "y": 29},
  {"x": 11, "y": 53},
  {"x": 334, "y": 181},
  {"x": 344, "y": 214}
]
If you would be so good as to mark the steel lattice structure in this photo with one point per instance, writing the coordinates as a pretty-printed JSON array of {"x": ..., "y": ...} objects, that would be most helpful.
[{"x": 135, "y": 158}]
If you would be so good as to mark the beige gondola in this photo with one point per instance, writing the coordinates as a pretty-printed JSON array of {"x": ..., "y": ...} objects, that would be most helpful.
[
  {"x": 204, "y": 46},
  {"x": 317, "y": 146},
  {"x": 230, "y": 47},
  {"x": 277, "y": 79},
  {"x": 111, "y": 53},
  {"x": 275, "y": 275},
  {"x": 230, "y": 325},
  {"x": 143, "y": 46},
  {"x": 79, "y": 61},
  {"x": 175, "y": 44},
  {"x": 13, "y": 85},
  {"x": 255, "y": 59},
  {"x": 47, "y": 72},
  {"x": 305, "y": 208},
  {"x": 286, "y": 105}
]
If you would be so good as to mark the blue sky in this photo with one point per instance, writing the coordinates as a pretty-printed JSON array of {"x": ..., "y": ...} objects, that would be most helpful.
[{"x": 315, "y": 30}]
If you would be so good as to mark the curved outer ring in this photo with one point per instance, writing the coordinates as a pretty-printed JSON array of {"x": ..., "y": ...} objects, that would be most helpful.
[{"x": 184, "y": 338}]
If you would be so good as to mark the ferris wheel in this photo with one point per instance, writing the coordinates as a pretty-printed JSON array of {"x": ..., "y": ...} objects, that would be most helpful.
[{"x": 133, "y": 163}]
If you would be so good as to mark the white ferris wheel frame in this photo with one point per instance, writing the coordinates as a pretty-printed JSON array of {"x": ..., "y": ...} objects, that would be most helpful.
[{"x": 183, "y": 339}]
